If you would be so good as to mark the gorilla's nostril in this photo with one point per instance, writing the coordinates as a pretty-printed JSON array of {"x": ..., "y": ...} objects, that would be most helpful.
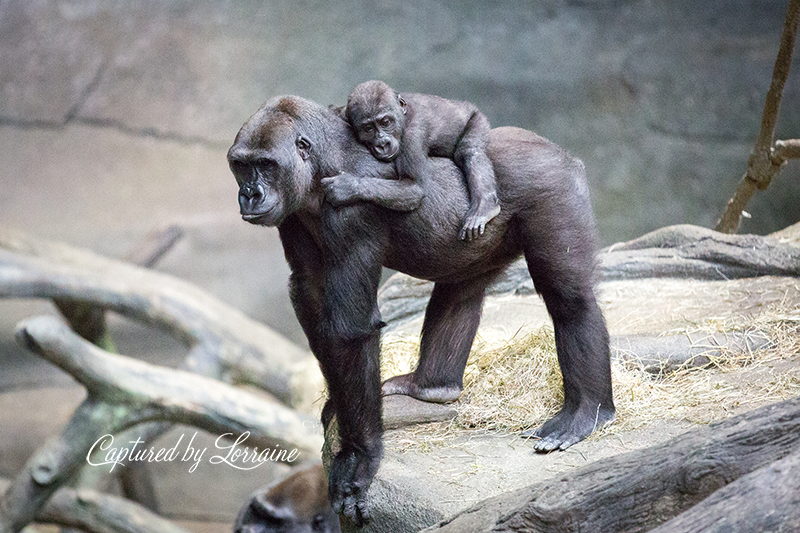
[{"x": 250, "y": 191}]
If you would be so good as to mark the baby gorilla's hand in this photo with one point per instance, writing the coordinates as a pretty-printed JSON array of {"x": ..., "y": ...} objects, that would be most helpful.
[{"x": 341, "y": 190}]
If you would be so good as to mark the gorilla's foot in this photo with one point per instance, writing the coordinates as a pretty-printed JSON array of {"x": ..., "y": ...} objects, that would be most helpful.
[
  {"x": 477, "y": 218},
  {"x": 570, "y": 426},
  {"x": 404, "y": 384}
]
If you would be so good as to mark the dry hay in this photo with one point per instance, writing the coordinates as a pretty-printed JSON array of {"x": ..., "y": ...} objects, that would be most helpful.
[{"x": 513, "y": 384}]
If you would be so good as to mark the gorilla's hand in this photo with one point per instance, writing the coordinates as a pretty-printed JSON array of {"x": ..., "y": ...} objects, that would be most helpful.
[
  {"x": 341, "y": 190},
  {"x": 350, "y": 477}
]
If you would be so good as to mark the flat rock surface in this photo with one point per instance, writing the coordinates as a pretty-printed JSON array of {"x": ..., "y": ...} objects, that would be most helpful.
[{"x": 420, "y": 484}]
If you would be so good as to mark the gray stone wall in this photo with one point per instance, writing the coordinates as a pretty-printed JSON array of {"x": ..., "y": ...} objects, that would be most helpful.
[{"x": 661, "y": 99}]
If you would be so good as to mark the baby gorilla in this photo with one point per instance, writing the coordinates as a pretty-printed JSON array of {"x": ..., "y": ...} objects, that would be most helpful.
[{"x": 412, "y": 127}]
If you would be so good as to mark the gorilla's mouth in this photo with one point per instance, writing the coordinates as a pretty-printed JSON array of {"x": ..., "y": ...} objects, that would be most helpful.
[
  {"x": 261, "y": 219},
  {"x": 386, "y": 157}
]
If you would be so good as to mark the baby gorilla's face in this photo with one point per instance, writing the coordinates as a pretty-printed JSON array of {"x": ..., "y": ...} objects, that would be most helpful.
[
  {"x": 381, "y": 133},
  {"x": 377, "y": 114}
]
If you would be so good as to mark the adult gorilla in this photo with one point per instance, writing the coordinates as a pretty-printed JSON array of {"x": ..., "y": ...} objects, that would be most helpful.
[{"x": 280, "y": 157}]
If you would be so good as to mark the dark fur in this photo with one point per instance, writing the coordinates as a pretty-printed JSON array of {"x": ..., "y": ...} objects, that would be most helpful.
[
  {"x": 335, "y": 254},
  {"x": 412, "y": 127},
  {"x": 298, "y": 504}
]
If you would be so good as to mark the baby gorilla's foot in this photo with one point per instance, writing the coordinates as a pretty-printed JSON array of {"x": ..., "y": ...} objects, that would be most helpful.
[
  {"x": 404, "y": 384},
  {"x": 478, "y": 215}
]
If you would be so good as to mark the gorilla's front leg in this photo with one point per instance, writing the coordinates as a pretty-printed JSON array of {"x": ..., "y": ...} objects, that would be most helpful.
[
  {"x": 354, "y": 385},
  {"x": 451, "y": 321},
  {"x": 350, "y": 354}
]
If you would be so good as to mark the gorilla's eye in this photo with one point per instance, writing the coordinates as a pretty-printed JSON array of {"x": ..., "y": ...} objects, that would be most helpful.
[
  {"x": 237, "y": 166},
  {"x": 367, "y": 128},
  {"x": 318, "y": 524},
  {"x": 265, "y": 164},
  {"x": 386, "y": 121}
]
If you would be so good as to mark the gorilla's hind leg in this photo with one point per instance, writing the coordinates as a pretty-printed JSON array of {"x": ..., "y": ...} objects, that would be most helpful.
[
  {"x": 558, "y": 237},
  {"x": 582, "y": 345},
  {"x": 451, "y": 321},
  {"x": 583, "y": 354}
]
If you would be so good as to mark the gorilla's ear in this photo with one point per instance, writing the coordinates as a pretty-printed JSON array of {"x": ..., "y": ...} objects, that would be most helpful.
[
  {"x": 340, "y": 111},
  {"x": 402, "y": 103},
  {"x": 262, "y": 507},
  {"x": 303, "y": 147}
]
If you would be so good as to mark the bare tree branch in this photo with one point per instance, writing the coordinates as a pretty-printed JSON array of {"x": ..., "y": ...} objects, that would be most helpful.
[
  {"x": 788, "y": 149},
  {"x": 155, "y": 244},
  {"x": 124, "y": 392},
  {"x": 225, "y": 343},
  {"x": 762, "y": 167}
]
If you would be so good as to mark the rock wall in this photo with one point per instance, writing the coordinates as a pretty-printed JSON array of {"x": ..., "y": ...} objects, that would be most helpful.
[{"x": 662, "y": 99}]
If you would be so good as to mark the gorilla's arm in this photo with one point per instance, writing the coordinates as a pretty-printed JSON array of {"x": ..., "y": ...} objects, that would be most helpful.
[
  {"x": 470, "y": 156},
  {"x": 355, "y": 239},
  {"x": 394, "y": 194},
  {"x": 305, "y": 286}
]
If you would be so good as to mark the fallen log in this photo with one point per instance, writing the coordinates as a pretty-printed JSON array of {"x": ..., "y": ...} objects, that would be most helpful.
[
  {"x": 767, "y": 500},
  {"x": 683, "y": 251},
  {"x": 224, "y": 343},
  {"x": 692, "y": 252},
  {"x": 639, "y": 490}
]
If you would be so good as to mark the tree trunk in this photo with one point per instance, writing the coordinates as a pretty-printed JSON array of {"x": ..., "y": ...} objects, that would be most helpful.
[
  {"x": 640, "y": 490},
  {"x": 767, "y": 500}
]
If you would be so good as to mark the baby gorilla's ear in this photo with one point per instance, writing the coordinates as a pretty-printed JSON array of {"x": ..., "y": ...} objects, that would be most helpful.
[{"x": 402, "y": 103}]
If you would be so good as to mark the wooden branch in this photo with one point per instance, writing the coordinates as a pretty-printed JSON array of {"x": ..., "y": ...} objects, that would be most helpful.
[
  {"x": 226, "y": 344},
  {"x": 761, "y": 167},
  {"x": 124, "y": 392},
  {"x": 211, "y": 358},
  {"x": 101, "y": 513},
  {"x": 765, "y": 500},
  {"x": 788, "y": 149},
  {"x": 155, "y": 244},
  {"x": 772, "y": 103},
  {"x": 88, "y": 320},
  {"x": 639, "y": 490},
  {"x": 96, "y": 512},
  {"x": 732, "y": 217}
]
